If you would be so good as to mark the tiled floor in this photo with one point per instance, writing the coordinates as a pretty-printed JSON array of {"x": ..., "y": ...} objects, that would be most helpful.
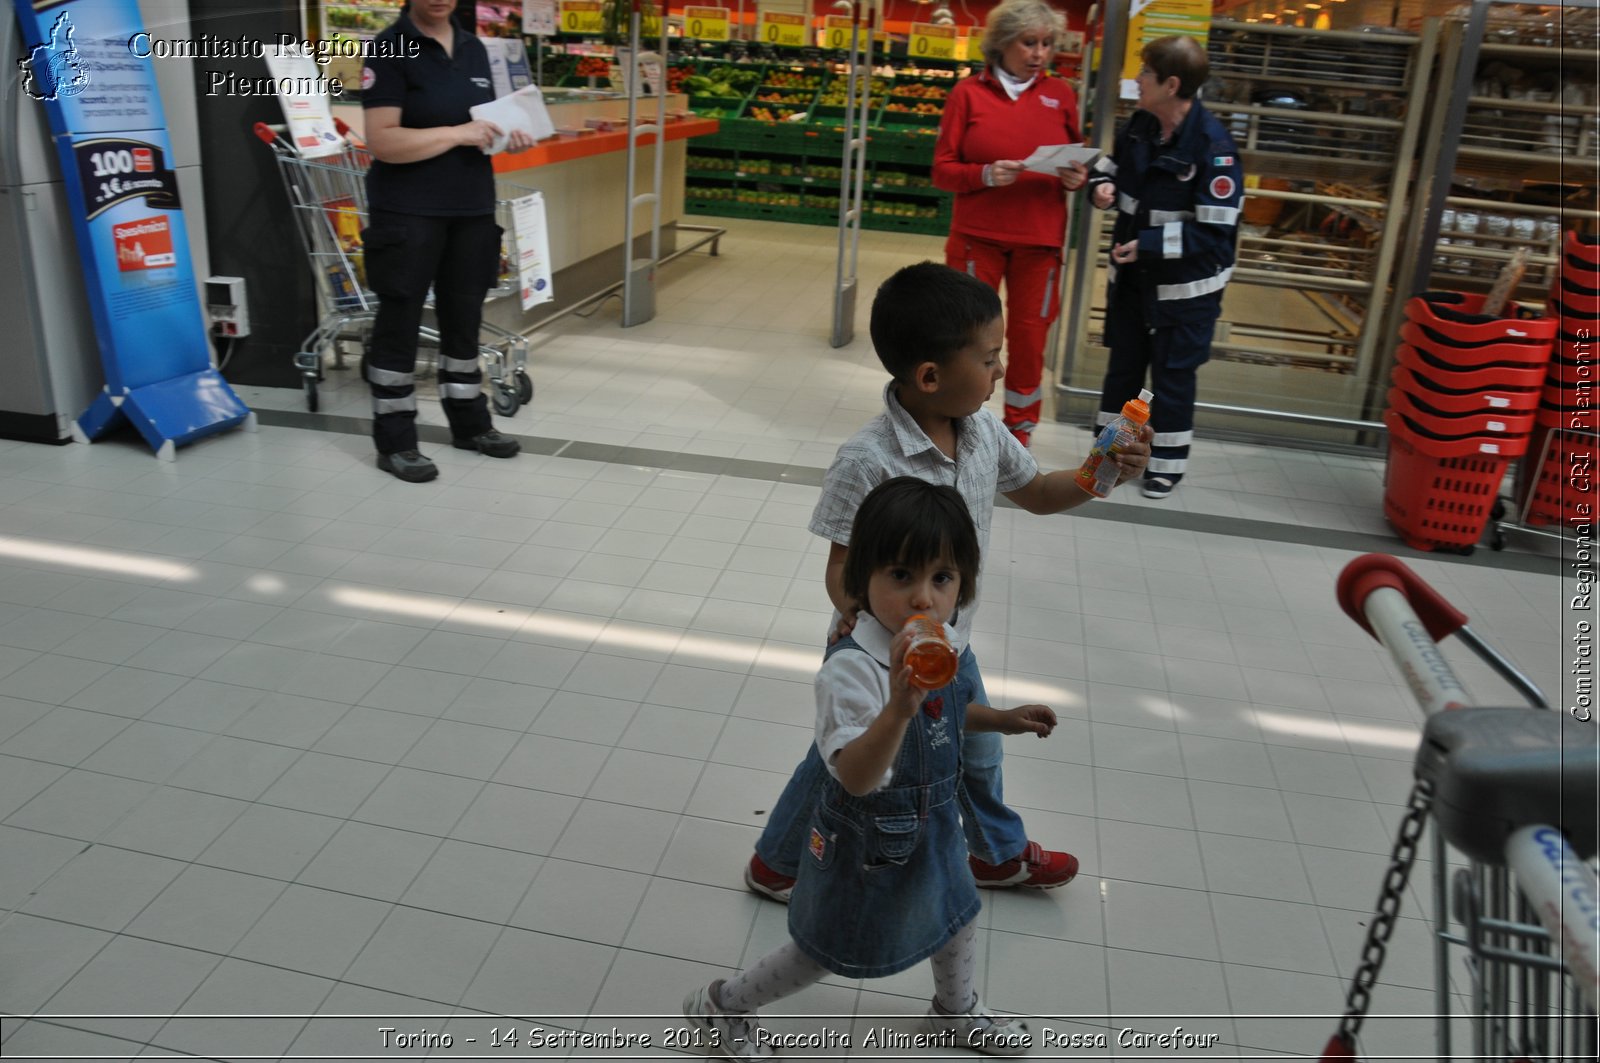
[{"x": 281, "y": 737}]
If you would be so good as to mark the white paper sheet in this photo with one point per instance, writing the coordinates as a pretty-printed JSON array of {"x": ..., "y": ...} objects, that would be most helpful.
[
  {"x": 309, "y": 116},
  {"x": 533, "y": 250},
  {"x": 523, "y": 109},
  {"x": 1050, "y": 158}
]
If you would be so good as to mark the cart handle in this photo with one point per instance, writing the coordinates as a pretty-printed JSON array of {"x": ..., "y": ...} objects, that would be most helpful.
[
  {"x": 265, "y": 133},
  {"x": 1563, "y": 890},
  {"x": 1369, "y": 572}
]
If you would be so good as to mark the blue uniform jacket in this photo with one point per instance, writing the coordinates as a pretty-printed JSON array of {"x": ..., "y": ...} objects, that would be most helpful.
[{"x": 1181, "y": 201}]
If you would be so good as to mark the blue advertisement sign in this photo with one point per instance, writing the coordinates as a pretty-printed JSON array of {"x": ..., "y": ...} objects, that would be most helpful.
[{"x": 116, "y": 161}]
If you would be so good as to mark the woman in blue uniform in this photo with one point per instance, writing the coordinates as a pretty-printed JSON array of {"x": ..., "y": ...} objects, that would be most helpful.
[
  {"x": 1175, "y": 181},
  {"x": 430, "y": 192}
]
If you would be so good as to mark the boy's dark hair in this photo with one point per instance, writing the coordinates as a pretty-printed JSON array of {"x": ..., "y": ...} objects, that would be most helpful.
[
  {"x": 927, "y": 312},
  {"x": 907, "y": 521},
  {"x": 1181, "y": 58}
]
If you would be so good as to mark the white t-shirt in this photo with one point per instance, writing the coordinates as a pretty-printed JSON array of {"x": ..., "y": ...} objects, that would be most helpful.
[
  {"x": 852, "y": 689},
  {"x": 988, "y": 460}
]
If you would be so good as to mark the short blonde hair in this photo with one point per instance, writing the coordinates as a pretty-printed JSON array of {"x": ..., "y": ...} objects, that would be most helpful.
[{"x": 1012, "y": 18}]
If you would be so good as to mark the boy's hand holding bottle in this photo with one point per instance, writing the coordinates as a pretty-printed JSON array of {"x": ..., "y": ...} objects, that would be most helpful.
[{"x": 1121, "y": 450}]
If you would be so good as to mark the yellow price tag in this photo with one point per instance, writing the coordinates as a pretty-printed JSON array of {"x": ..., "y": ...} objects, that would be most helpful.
[
  {"x": 706, "y": 23},
  {"x": 931, "y": 42},
  {"x": 836, "y": 32},
  {"x": 582, "y": 16},
  {"x": 783, "y": 29},
  {"x": 1163, "y": 18}
]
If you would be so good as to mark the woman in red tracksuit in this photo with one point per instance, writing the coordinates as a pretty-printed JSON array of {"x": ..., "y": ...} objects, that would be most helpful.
[{"x": 1009, "y": 222}]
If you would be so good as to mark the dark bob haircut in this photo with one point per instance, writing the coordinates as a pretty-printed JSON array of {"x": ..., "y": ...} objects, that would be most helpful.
[{"x": 907, "y": 521}]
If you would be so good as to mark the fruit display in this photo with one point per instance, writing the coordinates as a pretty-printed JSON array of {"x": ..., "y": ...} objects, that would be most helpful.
[
  {"x": 892, "y": 209},
  {"x": 839, "y": 91},
  {"x": 774, "y": 114},
  {"x": 676, "y": 76},
  {"x": 593, "y": 66},
  {"x": 367, "y": 18},
  {"x": 722, "y": 82},
  {"x": 792, "y": 79},
  {"x": 921, "y": 92},
  {"x": 772, "y": 162},
  {"x": 899, "y": 179},
  {"x": 788, "y": 99}
]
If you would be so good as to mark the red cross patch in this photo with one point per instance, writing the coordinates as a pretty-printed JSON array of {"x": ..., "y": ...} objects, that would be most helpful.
[{"x": 1221, "y": 186}]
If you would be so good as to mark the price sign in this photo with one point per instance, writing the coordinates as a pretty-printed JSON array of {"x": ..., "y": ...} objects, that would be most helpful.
[
  {"x": 1151, "y": 19},
  {"x": 582, "y": 16},
  {"x": 783, "y": 29},
  {"x": 539, "y": 18},
  {"x": 931, "y": 42},
  {"x": 706, "y": 23},
  {"x": 836, "y": 32}
]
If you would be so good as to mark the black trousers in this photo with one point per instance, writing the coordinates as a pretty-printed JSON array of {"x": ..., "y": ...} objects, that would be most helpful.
[
  {"x": 405, "y": 255},
  {"x": 1171, "y": 356}
]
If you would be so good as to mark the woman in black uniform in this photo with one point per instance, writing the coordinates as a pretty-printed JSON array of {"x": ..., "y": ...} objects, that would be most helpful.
[{"x": 430, "y": 192}]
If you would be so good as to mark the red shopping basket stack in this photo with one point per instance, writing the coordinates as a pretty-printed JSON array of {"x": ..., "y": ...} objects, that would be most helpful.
[
  {"x": 1563, "y": 444},
  {"x": 1466, "y": 390}
]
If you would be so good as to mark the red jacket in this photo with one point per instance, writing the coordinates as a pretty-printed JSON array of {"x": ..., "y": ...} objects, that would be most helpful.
[{"x": 982, "y": 124}]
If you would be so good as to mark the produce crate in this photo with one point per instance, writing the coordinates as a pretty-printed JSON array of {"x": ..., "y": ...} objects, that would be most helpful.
[
  {"x": 747, "y": 134},
  {"x": 896, "y": 145},
  {"x": 796, "y": 78},
  {"x": 888, "y": 119}
]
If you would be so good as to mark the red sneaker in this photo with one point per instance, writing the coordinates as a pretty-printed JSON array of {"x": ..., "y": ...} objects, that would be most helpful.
[
  {"x": 1036, "y": 869},
  {"x": 767, "y": 882}
]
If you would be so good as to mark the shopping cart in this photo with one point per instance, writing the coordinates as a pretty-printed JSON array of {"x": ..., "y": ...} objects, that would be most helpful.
[
  {"x": 328, "y": 197},
  {"x": 1514, "y": 792}
]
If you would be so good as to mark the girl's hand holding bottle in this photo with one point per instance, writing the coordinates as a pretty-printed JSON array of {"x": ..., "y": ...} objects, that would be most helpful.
[{"x": 905, "y": 697}]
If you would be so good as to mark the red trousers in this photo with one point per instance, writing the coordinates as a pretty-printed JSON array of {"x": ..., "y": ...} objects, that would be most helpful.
[{"x": 1032, "y": 276}]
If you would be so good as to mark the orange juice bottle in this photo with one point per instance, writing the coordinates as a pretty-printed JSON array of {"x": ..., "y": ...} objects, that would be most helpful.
[
  {"x": 930, "y": 655},
  {"x": 1097, "y": 475}
]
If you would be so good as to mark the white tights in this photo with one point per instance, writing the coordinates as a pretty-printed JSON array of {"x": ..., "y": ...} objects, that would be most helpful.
[{"x": 787, "y": 970}]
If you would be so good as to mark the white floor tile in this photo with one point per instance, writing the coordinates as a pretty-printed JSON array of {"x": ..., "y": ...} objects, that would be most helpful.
[{"x": 546, "y": 706}]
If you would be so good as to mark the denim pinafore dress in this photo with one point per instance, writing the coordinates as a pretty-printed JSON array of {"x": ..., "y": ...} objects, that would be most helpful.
[{"x": 883, "y": 880}]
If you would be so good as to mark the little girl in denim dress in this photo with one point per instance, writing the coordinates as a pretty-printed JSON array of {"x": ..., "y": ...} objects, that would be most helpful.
[{"x": 885, "y": 882}]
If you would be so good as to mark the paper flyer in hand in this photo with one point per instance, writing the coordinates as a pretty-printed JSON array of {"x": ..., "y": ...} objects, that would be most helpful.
[
  {"x": 523, "y": 109},
  {"x": 1053, "y": 157}
]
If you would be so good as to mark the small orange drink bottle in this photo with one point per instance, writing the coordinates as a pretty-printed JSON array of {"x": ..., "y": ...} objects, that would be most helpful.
[
  {"x": 930, "y": 655},
  {"x": 1097, "y": 475}
]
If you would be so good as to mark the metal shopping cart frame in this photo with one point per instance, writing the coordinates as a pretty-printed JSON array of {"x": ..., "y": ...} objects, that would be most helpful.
[
  {"x": 1526, "y": 907},
  {"x": 328, "y": 198}
]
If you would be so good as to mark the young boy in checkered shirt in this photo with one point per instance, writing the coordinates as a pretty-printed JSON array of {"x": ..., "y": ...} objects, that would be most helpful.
[{"x": 938, "y": 332}]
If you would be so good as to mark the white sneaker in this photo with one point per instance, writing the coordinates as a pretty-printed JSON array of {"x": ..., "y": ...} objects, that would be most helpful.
[
  {"x": 735, "y": 1035},
  {"x": 982, "y": 1030}
]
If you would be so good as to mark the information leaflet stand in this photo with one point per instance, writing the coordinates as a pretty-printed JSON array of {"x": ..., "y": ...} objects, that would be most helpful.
[
  {"x": 852, "y": 176},
  {"x": 116, "y": 160}
]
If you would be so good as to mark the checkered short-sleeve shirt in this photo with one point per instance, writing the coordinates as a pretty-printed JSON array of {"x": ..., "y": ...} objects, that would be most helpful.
[{"x": 988, "y": 460}]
